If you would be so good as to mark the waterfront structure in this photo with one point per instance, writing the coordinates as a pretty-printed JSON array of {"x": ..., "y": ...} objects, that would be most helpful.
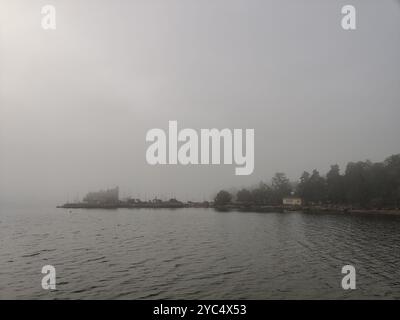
[
  {"x": 292, "y": 201},
  {"x": 109, "y": 196},
  {"x": 109, "y": 199}
]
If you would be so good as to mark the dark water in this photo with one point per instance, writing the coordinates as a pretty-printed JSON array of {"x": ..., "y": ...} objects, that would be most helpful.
[{"x": 197, "y": 254}]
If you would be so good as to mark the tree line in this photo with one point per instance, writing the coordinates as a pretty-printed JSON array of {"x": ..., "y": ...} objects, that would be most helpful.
[{"x": 363, "y": 184}]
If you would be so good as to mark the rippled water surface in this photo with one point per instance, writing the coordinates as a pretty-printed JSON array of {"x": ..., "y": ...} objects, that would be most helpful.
[{"x": 196, "y": 254}]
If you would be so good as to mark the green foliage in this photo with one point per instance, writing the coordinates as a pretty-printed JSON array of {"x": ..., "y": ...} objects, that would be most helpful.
[
  {"x": 280, "y": 187},
  {"x": 335, "y": 185},
  {"x": 363, "y": 184},
  {"x": 222, "y": 198},
  {"x": 244, "y": 196}
]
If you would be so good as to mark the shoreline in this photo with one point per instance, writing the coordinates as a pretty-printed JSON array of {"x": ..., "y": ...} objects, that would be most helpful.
[
  {"x": 308, "y": 209},
  {"x": 234, "y": 207}
]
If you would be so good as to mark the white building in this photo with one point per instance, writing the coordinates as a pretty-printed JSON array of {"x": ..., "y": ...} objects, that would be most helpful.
[{"x": 292, "y": 201}]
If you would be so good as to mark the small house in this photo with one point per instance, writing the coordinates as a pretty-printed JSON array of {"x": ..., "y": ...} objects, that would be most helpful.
[{"x": 292, "y": 201}]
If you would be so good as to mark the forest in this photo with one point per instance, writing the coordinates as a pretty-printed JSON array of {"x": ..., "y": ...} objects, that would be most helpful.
[{"x": 363, "y": 184}]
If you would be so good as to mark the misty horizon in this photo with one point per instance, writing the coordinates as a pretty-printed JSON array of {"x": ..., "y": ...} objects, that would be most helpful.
[
  {"x": 192, "y": 158},
  {"x": 76, "y": 102}
]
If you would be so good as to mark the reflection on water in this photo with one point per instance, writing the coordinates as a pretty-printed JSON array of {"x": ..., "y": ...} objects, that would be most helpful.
[{"x": 197, "y": 254}]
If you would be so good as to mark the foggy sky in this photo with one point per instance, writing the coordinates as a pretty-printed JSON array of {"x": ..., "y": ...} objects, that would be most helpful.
[{"x": 76, "y": 103}]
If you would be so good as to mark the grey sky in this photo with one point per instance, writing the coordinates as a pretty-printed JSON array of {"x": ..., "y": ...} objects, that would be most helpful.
[{"x": 76, "y": 103}]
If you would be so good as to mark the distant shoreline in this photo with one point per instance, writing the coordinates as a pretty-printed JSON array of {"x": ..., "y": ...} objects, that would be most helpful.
[
  {"x": 142, "y": 205},
  {"x": 305, "y": 209},
  {"x": 232, "y": 207}
]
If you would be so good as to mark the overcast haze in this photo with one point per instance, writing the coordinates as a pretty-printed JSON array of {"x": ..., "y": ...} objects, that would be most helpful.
[{"x": 76, "y": 103}]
